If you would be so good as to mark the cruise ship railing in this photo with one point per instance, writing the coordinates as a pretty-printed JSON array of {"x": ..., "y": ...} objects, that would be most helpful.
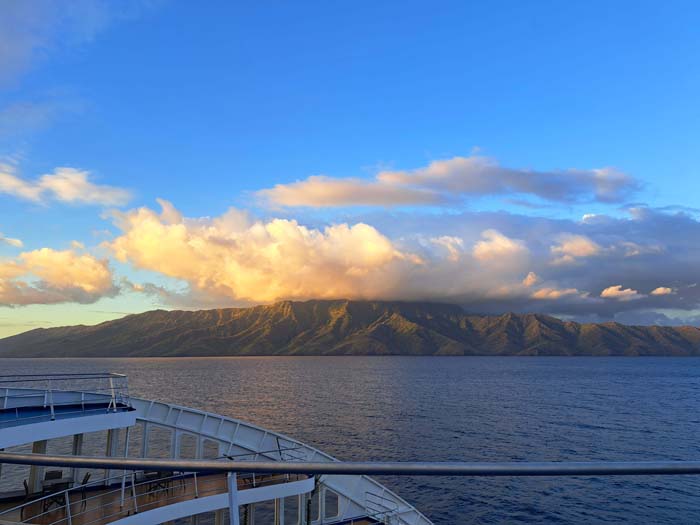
[
  {"x": 197, "y": 474},
  {"x": 112, "y": 498},
  {"x": 60, "y": 395}
]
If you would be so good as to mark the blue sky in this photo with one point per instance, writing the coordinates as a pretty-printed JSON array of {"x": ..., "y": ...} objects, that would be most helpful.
[{"x": 207, "y": 106}]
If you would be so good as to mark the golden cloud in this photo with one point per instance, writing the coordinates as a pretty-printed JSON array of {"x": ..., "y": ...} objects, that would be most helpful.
[
  {"x": 48, "y": 276},
  {"x": 64, "y": 184},
  {"x": 235, "y": 257}
]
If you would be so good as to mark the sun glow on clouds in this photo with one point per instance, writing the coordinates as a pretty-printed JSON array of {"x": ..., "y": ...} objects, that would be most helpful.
[
  {"x": 621, "y": 294},
  {"x": 49, "y": 276},
  {"x": 236, "y": 257}
]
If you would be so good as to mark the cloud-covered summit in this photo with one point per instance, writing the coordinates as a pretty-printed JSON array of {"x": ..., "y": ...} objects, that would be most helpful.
[{"x": 566, "y": 267}]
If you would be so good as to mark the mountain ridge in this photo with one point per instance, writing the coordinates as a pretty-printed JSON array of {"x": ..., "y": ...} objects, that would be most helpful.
[{"x": 345, "y": 327}]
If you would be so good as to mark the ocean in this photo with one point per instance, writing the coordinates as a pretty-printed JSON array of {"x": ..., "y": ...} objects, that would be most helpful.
[{"x": 460, "y": 409}]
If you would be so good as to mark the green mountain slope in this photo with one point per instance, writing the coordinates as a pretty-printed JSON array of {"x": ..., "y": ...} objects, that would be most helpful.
[{"x": 347, "y": 328}]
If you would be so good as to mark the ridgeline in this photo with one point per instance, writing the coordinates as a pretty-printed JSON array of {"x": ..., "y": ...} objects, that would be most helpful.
[{"x": 348, "y": 328}]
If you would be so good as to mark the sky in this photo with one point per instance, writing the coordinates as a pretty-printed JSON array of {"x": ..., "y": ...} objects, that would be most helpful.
[{"x": 504, "y": 156}]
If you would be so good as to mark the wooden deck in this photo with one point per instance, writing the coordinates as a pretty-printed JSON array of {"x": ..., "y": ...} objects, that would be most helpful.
[{"x": 102, "y": 506}]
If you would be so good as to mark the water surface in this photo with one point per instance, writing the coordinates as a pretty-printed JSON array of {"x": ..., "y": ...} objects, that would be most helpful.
[{"x": 460, "y": 409}]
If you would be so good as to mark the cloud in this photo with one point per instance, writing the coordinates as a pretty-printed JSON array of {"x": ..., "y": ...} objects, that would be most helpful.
[
  {"x": 17, "y": 243},
  {"x": 48, "y": 276},
  {"x": 571, "y": 247},
  {"x": 620, "y": 294},
  {"x": 497, "y": 248},
  {"x": 488, "y": 262},
  {"x": 234, "y": 257},
  {"x": 555, "y": 293},
  {"x": 453, "y": 245},
  {"x": 320, "y": 191},
  {"x": 662, "y": 290},
  {"x": 530, "y": 279},
  {"x": 451, "y": 180},
  {"x": 666, "y": 242},
  {"x": 65, "y": 185}
]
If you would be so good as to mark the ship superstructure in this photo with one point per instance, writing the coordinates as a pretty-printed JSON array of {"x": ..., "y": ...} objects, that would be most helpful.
[{"x": 93, "y": 414}]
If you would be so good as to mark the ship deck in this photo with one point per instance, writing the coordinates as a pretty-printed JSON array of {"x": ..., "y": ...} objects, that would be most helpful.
[
  {"x": 99, "y": 506},
  {"x": 10, "y": 417}
]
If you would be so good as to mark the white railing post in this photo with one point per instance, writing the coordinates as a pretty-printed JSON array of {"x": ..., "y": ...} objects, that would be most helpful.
[
  {"x": 53, "y": 412},
  {"x": 68, "y": 513},
  {"x": 196, "y": 487},
  {"x": 133, "y": 492},
  {"x": 113, "y": 402},
  {"x": 234, "y": 518},
  {"x": 126, "y": 455}
]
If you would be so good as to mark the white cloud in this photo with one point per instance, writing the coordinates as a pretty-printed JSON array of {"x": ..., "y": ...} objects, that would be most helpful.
[
  {"x": 236, "y": 258},
  {"x": 450, "y": 180},
  {"x": 233, "y": 256},
  {"x": 530, "y": 279},
  {"x": 497, "y": 248},
  {"x": 571, "y": 247},
  {"x": 618, "y": 293},
  {"x": 17, "y": 243},
  {"x": 48, "y": 276},
  {"x": 320, "y": 191},
  {"x": 64, "y": 184},
  {"x": 453, "y": 245},
  {"x": 662, "y": 290},
  {"x": 556, "y": 293}
]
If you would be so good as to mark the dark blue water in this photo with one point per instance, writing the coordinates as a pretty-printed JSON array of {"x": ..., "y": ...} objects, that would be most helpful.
[{"x": 453, "y": 408}]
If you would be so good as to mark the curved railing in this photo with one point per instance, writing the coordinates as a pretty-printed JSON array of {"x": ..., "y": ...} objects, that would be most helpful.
[
  {"x": 29, "y": 398},
  {"x": 109, "y": 499}
]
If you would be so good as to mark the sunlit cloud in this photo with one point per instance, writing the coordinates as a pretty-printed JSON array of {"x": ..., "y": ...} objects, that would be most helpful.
[
  {"x": 235, "y": 257},
  {"x": 451, "y": 180},
  {"x": 620, "y": 294},
  {"x": 531, "y": 279},
  {"x": 496, "y": 248},
  {"x": 662, "y": 290},
  {"x": 557, "y": 293},
  {"x": 48, "y": 276},
  {"x": 64, "y": 184},
  {"x": 572, "y": 247},
  {"x": 320, "y": 191}
]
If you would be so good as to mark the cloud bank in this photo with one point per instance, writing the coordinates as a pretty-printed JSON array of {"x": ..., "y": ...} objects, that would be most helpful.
[
  {"x": 237, "y": 259},
  {"x": 593, "y": 269},
  {"x": 452, "y": 180}
]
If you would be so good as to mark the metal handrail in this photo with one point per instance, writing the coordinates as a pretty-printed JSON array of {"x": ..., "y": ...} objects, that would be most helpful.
[
  {"x": 58, "y": 377},
  {"x": 113, "y": 388},
  {"x": 553, "y": 468},
  {"x": 49, "y": 416}
]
